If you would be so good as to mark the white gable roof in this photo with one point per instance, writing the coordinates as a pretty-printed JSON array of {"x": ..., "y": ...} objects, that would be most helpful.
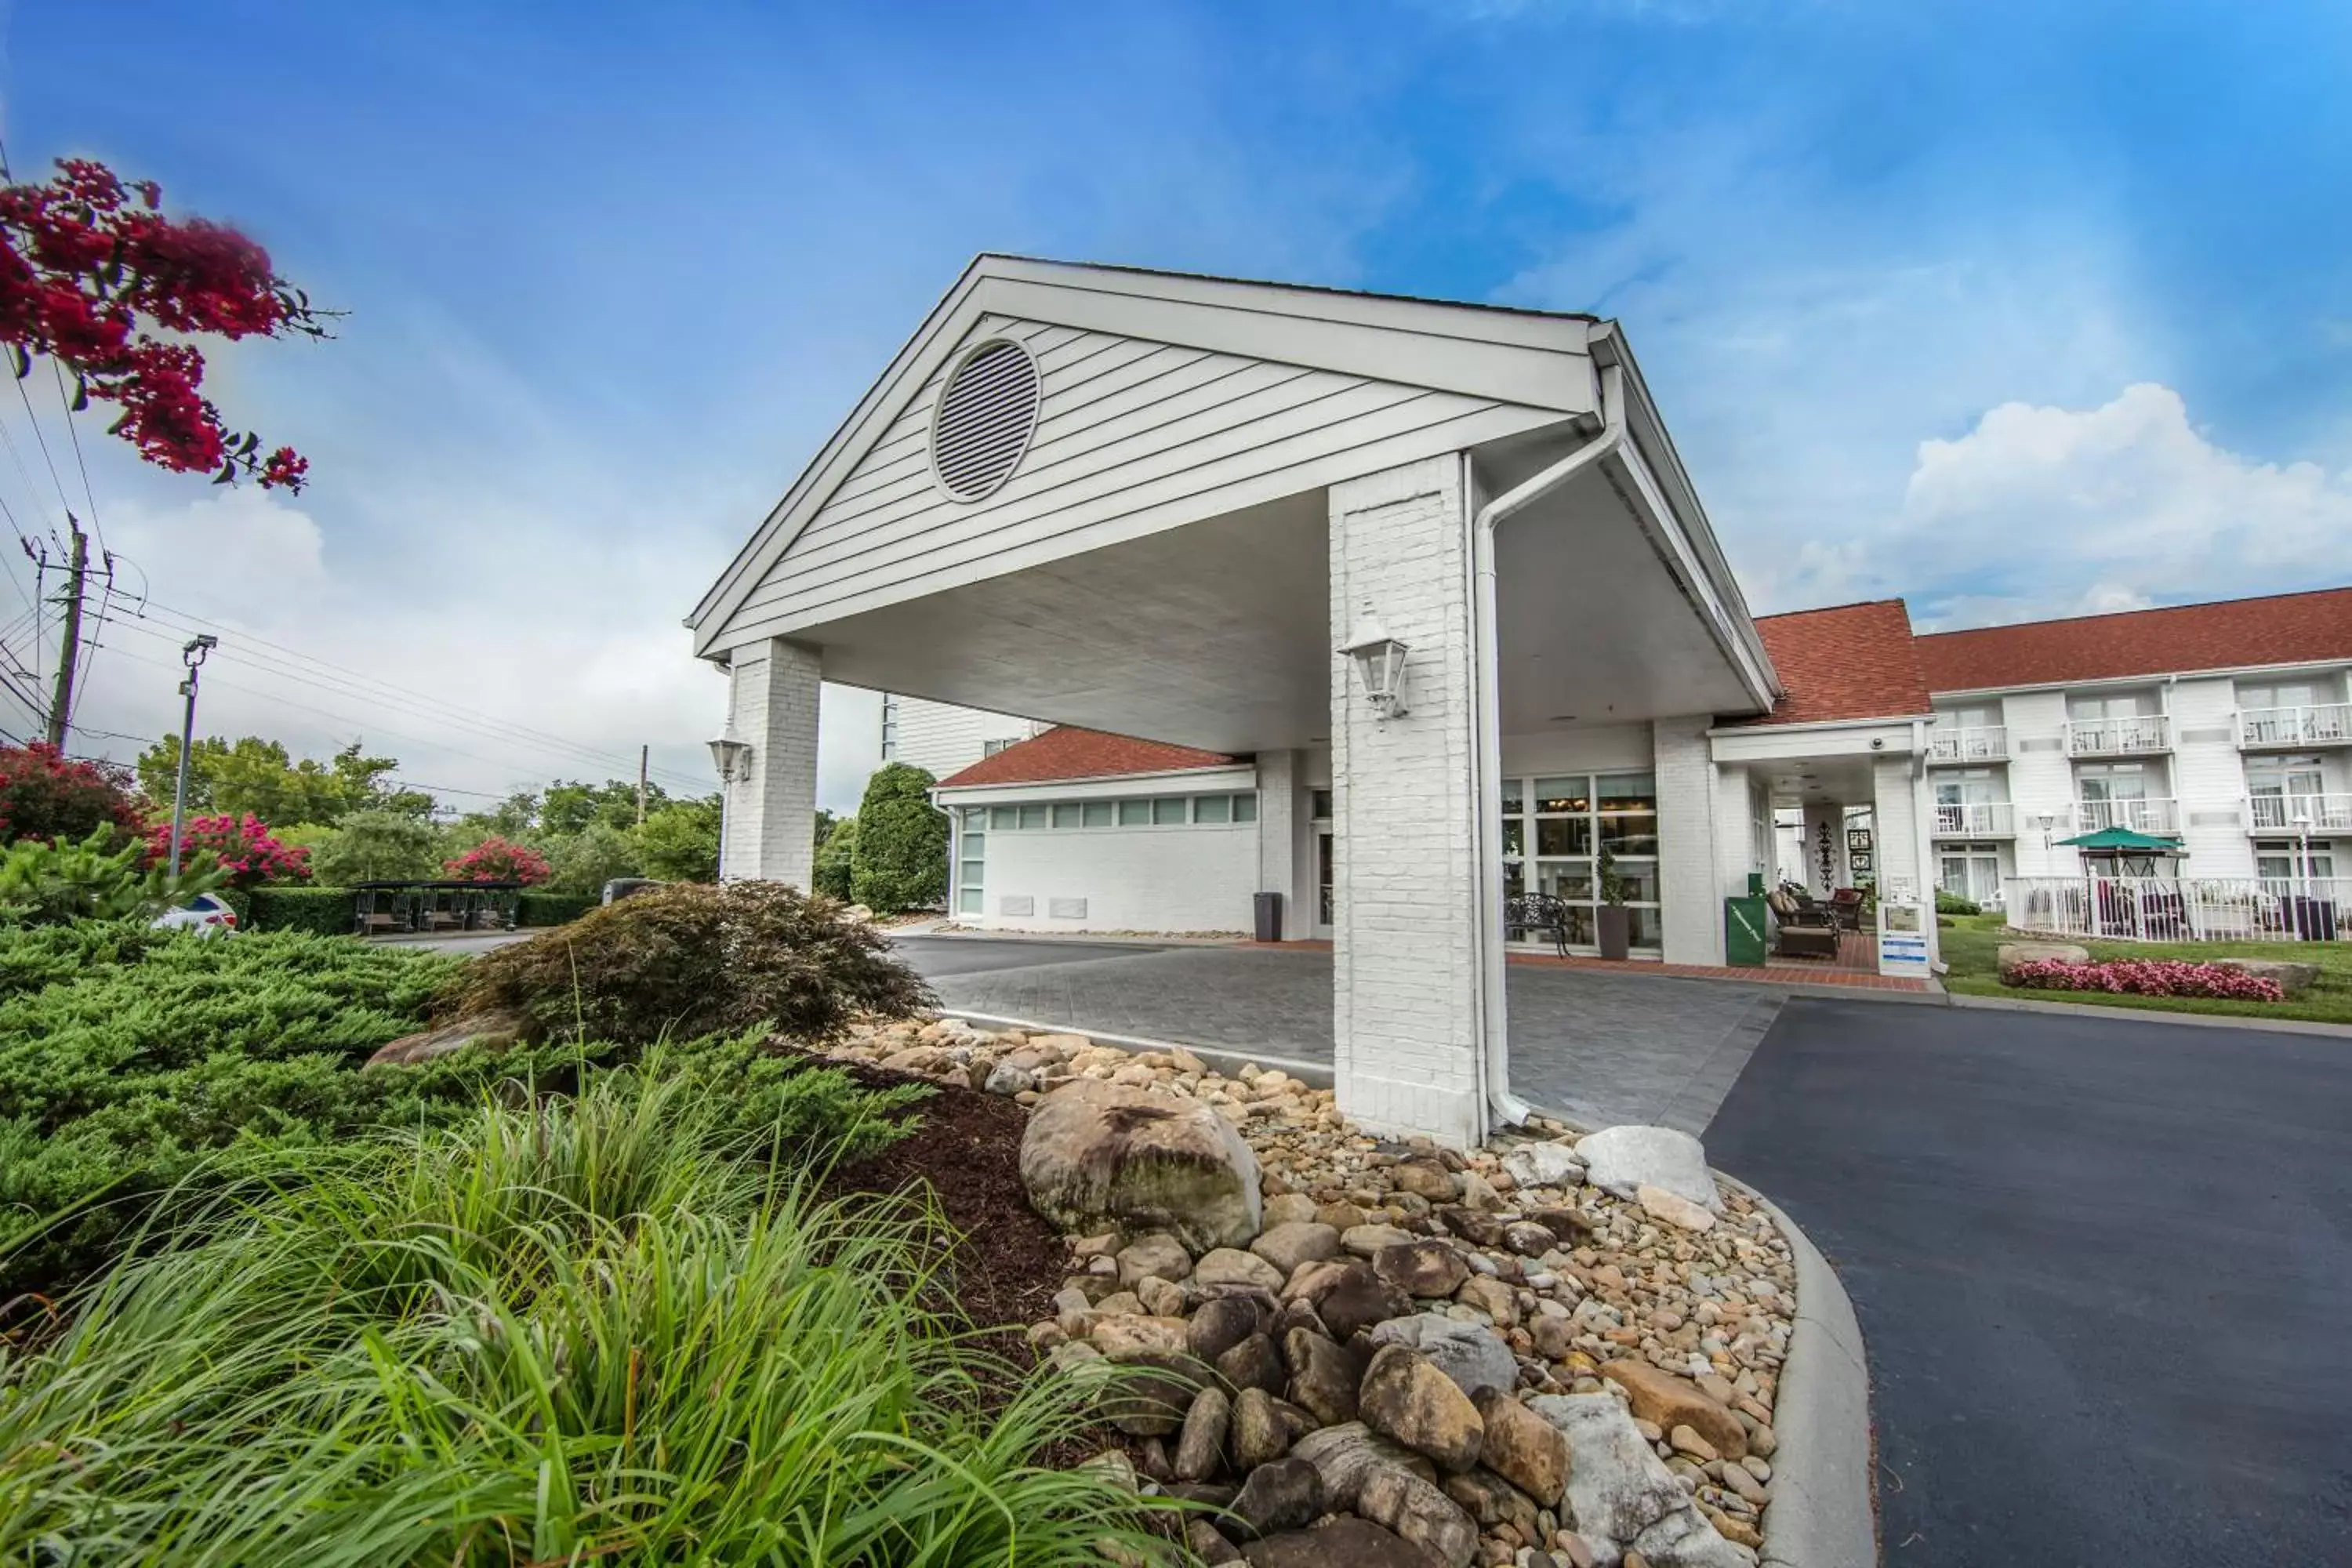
[{"x": 1473, "y": 359}]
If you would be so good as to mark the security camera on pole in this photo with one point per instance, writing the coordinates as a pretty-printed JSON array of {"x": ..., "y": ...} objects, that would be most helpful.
[{"x": 193, "y": 656}]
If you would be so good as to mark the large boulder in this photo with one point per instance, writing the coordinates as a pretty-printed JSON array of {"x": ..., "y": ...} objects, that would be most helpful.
[
  {"x": 1544, "y": 1165},
  {"x": 493, "y": 1031},
  {"x": 1345, "y": 1543},
  {"x": 1474, "y": 1356},
  {"x": 2009, "y": 954},
  {"x": 1621, "y": 1160},
  {"x": 1523, "y": 1448},
  {"x": 1658, "y": 1396},
  {"x": 2293, "y": 979},
  {"x": 1620, "y": 1496},
  {"x": 1404, "y": 1397},
  {"x": 1099, "y": 1156},
  {"x": 1345, "y": 1453},
  {"x": 1416, "y": 1510}
]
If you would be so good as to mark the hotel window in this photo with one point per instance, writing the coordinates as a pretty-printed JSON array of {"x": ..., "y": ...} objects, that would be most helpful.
[
  {"x": 1553, "y": 831},
  {"x": 971, "y": 852}
]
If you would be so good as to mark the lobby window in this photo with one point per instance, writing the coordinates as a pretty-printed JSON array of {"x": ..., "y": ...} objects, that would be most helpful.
[
  {"x": 1553, "y": 830},
  {"x": 972, "y": 853}
]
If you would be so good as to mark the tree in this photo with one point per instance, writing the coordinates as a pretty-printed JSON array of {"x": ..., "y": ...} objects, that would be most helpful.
[
  {"x": 825, "y": 822},
  {"x": 569, "y": 808},
  {"x": 680, "y": 841},
  {"x": 241, "y": 847},
  {"x": 510, "y": 818},
  {"x": 112, "y": 291},
  {"x": 251, "y": 774},
  {"x": 837, "y": 857},
  {"x": 376, "y": 845},
  {"x": 45, "y": 796},
  {"x": 584, "y": 861},
  {"x": 900, "y": 861},
  {"x": 497, "y": 860}
]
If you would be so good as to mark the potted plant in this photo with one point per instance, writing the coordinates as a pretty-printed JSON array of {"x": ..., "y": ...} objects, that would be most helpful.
[{"x": 1613, "y": 920}]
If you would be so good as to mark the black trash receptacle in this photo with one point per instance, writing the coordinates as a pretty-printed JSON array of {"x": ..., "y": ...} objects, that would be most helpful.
[
  {"x": 1269, "y": 917},
  {"x": 2315, "y": 919}
]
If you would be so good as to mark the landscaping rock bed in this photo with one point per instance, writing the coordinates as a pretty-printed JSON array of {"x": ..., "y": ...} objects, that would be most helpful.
[{"x": 1419, "y": 1357}]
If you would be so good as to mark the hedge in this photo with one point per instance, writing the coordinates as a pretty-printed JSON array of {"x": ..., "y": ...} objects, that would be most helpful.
[
  {"x": 553, "y": 909},
  {"x": 321, "y": 912}
]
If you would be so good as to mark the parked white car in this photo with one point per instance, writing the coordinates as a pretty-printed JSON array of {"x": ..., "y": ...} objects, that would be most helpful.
[{"x": 208, "y": 914}]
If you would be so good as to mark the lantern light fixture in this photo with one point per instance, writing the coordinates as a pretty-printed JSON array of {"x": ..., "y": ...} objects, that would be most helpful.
[
  {"x": 1380, "y": 661},
  {"x": 732, "y": 755}
]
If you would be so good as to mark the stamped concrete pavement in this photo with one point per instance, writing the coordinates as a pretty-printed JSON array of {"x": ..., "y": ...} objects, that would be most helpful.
[{"x": 1599, "y": 1049}]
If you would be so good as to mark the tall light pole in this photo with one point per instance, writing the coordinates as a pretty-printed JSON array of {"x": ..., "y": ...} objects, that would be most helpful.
[{"x": 193, "y": 656}]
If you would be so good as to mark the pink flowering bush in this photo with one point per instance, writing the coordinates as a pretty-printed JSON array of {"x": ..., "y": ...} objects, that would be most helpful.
[
  {"x": 2146, "y": 977},
  {"x": 241, "y": 847},
  {"x": 496, "y": 859}
]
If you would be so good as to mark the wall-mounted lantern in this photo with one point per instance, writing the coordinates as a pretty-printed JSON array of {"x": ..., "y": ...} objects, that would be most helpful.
[
  {"x": 1380, "y": 661},
  {"x": 731, "y": 756}
]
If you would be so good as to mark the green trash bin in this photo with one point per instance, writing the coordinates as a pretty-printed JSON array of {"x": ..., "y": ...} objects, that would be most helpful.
[{"x": 1743, "y": 931}]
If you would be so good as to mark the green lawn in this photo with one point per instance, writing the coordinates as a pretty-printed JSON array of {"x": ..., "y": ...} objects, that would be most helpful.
[{"x": 1971, "y": 942}]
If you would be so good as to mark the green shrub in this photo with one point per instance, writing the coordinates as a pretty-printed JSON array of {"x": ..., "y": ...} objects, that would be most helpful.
[
  {"x": 536, "y": 909},
  {"x": 584, "y": 861},
  {"x": 692, "y": 958},
  {"x": 1953, "y": 904},
  {"x": 321, "y": 911},
  {"x": 102, "y": 878},
  {"x": 836, "y": 859},
  {"x": 900, "y": 860},
  {"x": 375, "y": 846},
  {"x": 595, "y": 1333},
  {"x": 680, "y": 841}
]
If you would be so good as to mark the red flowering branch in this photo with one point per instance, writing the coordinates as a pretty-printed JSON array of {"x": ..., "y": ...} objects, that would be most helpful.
[
  {"x": 243, "y": 847},
  {"x": 91, "y": 271},
  {"x": 497, "y": 860}
]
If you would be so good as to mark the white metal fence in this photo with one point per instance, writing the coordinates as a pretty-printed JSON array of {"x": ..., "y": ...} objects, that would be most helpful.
[{"x": 2183, "y": 909}]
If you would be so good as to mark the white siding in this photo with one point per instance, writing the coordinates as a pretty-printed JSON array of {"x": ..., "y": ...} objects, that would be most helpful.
[
  {"x": 942, "y": 739},
  {"x": 1187, "y": 878},
  {"x": 2208, "y": 780},
  {"x": 1134, "y": 434},
  {"x": 2040, "y": 780},
  {"x": 1689, "y": 907}
]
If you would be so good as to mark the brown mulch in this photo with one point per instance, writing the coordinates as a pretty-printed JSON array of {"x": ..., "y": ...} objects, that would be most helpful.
[{"x": 1010, "y": 1261}]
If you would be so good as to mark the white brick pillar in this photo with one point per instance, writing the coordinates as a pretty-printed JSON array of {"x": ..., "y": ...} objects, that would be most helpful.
[
  {"x": 771, "y": 804},
  {"x": 1690, "y": 906},
  {"x": 1277, "y": 835},
  {"x": 1406, "y": 960}
]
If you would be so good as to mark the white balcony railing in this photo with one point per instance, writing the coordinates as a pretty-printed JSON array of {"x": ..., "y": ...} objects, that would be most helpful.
[
  {"x": 1971, "y": 744},
  {"x": 2119, "y": 737},
  {"x": 2140, "y": 814},
  {"x": 2299, "y": 813},
  {"x": 1975, "y": 819},
  {"x": 2182, "y": 908},
  {"x": 2306, "y": 724}
]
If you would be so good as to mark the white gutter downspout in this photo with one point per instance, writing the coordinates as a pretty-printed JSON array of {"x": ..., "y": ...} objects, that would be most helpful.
[{"x": 1494, "y": 1067}]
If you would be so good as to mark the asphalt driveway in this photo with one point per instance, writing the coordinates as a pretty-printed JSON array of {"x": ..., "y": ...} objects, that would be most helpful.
[{"x": 2104, "y": 1268}]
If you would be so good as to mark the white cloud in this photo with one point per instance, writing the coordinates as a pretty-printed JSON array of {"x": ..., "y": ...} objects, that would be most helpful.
[{"x": 2044, "y": 510}]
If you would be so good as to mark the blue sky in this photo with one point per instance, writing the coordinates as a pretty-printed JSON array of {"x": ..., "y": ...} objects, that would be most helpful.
[{"x": 2013, "y": 309}]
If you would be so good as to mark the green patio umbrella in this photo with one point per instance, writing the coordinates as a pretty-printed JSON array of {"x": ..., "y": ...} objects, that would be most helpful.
[{"x": 2124, "y": 841}]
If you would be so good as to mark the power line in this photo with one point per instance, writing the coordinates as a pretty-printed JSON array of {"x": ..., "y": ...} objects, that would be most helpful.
[
  {"x": 74, "y": 434},
  {"x": 26, "y": 398},
  {"x": 346, "y": 681}
]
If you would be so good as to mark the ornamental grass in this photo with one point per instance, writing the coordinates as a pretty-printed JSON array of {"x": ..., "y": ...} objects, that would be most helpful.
[{"x": 607, "y": 1330}]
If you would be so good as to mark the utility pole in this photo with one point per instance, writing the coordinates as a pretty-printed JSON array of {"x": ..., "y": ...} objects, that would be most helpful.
[
  {"x": 69, "y": 650},
  {"x": 645, "y": 759},
  {"x": 193, "y": 656}
]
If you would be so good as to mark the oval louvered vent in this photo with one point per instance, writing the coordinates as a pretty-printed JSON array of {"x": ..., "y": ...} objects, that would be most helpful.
[{"x": 986, "y": 414}]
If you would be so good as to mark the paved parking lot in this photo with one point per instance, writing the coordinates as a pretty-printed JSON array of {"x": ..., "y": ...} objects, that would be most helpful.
[{"x": 1600, "y": 1048}]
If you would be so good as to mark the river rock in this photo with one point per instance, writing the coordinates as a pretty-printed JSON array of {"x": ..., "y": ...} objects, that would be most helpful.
[
  {"x": 1424, "y": 1179},
  {"x": 1345, "y": 1543},
  {"x": 1544, "y": 1165},
  {"x": 493, "y": 1031},
  {"x": 1222, "y": 1322},
  {"x": 1325, "y": 1375},
  {"x": 1231, "y": 1266},
  {"x": 1364, "y": 1240},
  {"x": 1404, "y": 1397},
  {"x": 1290, "y": 1208},
  {"x": 1345, "y": 1453},
  {"x": 1254, "y": 1364},
  {"x": 1282, "y": 1494},
  {"x": 1667, "y": 1401},
  {"x": 1622, "y": 1160},
  {"x": 1417, "y": 1511},
  {"x": 1473, "y": 1356},
  {"x": 1258, "y": 1432},
  {"x": 1356, "y": 1298},
  {"x": 1523, "y": 1448},
  {"x": 1622, "y": 1496},
  {"x": 1202, "y": 1442},
  {"x": 1098, "y": 1156},
  {"x": 1428, "y": 1268},
  {"x": 1155, "y": 1257},
  {"x": 1673, "y": 1208},
  {"x": 1286, "y": 1246},
  {"x": 1009, "y": 1078}
]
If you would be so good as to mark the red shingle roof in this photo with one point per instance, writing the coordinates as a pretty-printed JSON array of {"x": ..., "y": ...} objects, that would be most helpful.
[
  {"x": 2286, "y": 628},
  {"x": 1848, "y": 661},
  {"x": 1066, "y": 751}
]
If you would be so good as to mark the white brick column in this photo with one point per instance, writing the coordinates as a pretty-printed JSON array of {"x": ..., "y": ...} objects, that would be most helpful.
[
  {"x": 1690, "y": 901},
  {"x": 1277, "y": 835},
  {"x": 771, "y": 805},
  {"x": 1406, "y": 961}
]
